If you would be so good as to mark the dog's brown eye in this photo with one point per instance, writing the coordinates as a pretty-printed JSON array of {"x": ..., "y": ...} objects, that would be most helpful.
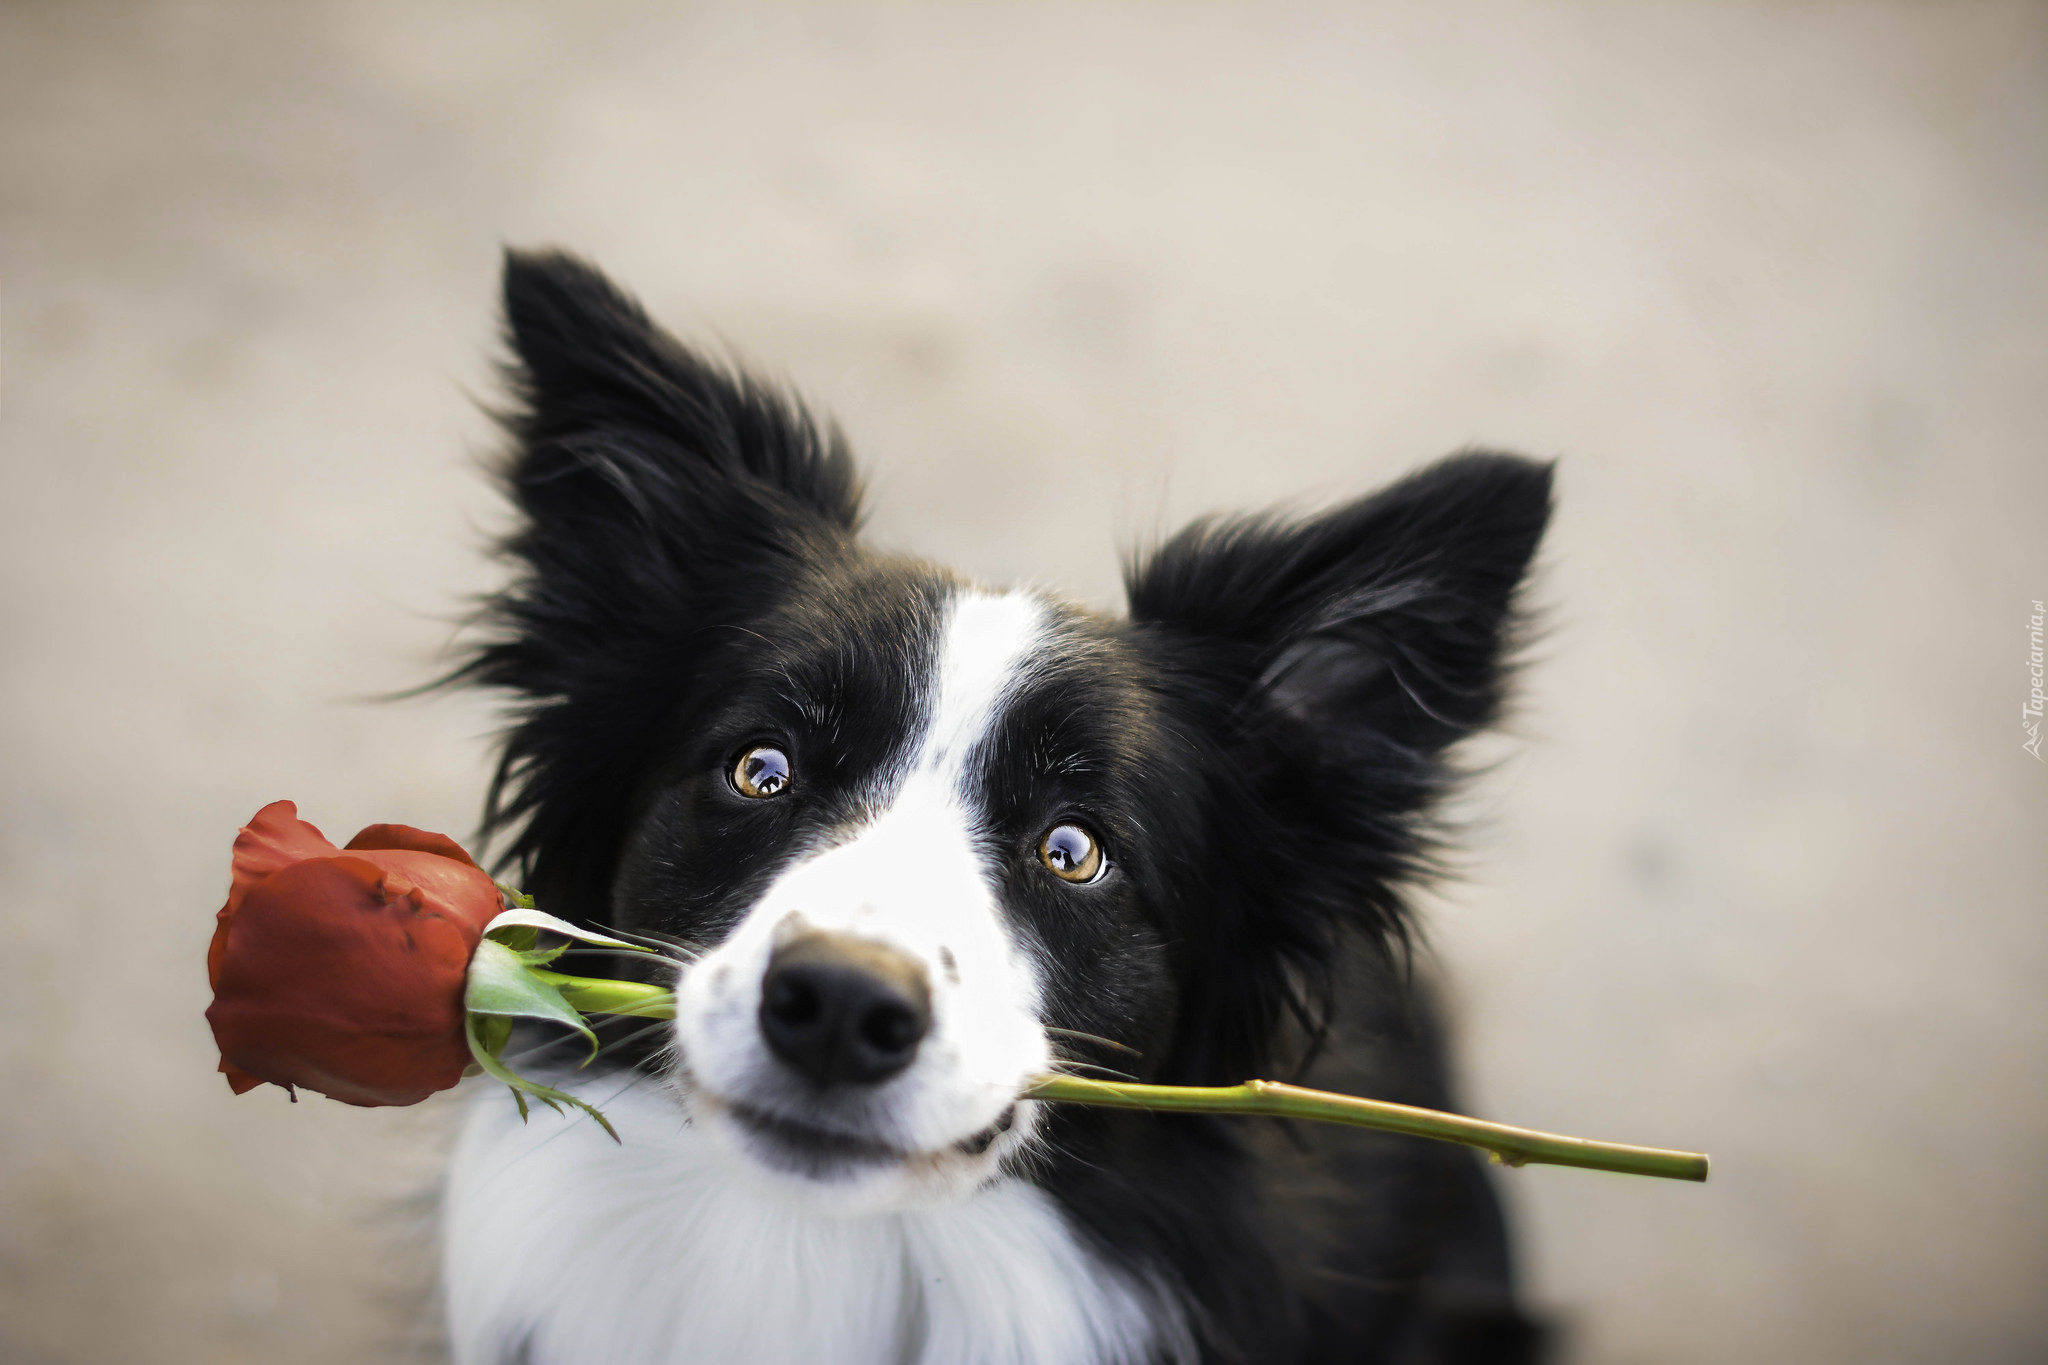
[
  {"x": 1071, "y": 853},
  {"x": 761, "y": 772}
]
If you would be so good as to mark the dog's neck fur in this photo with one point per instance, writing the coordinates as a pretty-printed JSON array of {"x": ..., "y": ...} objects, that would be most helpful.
[{"x": 565, "y": 1246}]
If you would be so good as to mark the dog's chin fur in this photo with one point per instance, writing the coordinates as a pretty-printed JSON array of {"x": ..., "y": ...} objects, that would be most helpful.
[
  {"x": 735, "y": 1263},
  {"x": 1171, "y": 845},
  {"x": 815, "y": 1169}
]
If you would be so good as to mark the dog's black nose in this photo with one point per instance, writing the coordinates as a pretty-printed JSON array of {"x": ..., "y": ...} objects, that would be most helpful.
[{"x": 839, "y": 1008}]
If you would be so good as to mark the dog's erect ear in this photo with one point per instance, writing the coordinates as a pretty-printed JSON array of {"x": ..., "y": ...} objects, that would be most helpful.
[
  {"x": 637, "y": 426},
  {"x": 662, "y": 498},
  {"x": 1380, "y": 624},
  {"x": 1339, "y": 657}
]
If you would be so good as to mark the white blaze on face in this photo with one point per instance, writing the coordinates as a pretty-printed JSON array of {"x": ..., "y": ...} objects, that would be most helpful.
[{"x": 913, "y": 878}]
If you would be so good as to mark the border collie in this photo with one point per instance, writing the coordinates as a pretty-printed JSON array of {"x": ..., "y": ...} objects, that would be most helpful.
[{"x": 923, "y": 839}]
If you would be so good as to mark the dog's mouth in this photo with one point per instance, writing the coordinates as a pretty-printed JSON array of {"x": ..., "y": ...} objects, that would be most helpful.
[{"x": 813, "y": 1150}]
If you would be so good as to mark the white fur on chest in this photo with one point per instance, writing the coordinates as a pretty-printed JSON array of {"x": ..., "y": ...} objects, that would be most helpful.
[{"x": 563, "y": 1248}]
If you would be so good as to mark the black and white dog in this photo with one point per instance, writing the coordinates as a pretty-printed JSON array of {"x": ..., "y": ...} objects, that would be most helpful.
[{"x": 927, "y": 839}]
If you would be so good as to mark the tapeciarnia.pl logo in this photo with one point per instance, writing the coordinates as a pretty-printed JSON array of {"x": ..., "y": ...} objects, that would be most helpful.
[{"x": 2030, "y": 714}]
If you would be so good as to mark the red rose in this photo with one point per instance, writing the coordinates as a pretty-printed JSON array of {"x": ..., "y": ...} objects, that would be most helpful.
[{"x": 342, "y": 970}]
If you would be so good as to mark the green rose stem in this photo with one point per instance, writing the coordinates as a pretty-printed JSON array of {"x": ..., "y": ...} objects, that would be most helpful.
[
  {"x": 596, "y": 995},
  {"x": 1508, "y": 1145}
]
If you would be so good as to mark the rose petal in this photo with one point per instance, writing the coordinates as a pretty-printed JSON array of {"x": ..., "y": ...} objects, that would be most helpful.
[
  {"x": 335, "y": 979},
  {"x": 239, "y": 1081},
  {"x": 274, "y": 838},
  {"x": 406, "y": 837},
  {"x": 460, "y": 892}
]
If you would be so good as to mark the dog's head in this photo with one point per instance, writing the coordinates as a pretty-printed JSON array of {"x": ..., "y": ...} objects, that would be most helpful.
[{"x": 930, "y": 839}]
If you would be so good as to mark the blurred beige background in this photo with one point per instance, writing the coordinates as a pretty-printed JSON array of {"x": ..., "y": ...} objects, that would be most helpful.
[{"x": 1762, "y": 869}]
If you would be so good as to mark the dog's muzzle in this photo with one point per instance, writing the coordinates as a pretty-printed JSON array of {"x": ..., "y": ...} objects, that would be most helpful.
[{"x": 840, "y": 1010}]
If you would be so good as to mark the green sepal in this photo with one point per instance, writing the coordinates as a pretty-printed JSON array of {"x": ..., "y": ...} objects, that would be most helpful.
[
  {"x": 495, "y": 1030},
  {"x": 522, "y": 1087},
  {"x": 507, "y": 981},
  {"x": 501, "y": 984},
  {"x": 520, "y": 929}
]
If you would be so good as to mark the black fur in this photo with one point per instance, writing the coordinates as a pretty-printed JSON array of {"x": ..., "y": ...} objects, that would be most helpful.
[
  {"x": 666, "y": 501},
  {"x": 1259, "y": 745}
]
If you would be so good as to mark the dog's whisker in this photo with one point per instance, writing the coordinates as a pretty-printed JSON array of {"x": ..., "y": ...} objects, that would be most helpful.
[
  {"x": 1069, "y": 1064},
  {"x": 1094, "y": 1038},
  {"x": 566, "y": 1036},
  {"x": 633, "y": 955},
  {"x": 632, "y": 1037},
  {"x": 656, "y": 938}
]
